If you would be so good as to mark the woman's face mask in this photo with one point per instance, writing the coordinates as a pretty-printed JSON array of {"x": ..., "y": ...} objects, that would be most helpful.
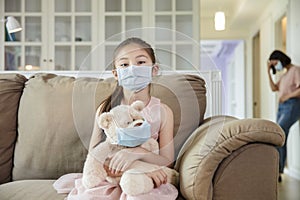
[
  {"x": 279, "y": 66},
  {"x": 134, "y": 78}
]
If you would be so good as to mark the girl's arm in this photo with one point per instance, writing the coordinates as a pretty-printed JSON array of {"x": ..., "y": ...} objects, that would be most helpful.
[
  {"x": 96, "y": 134},
  {"x": 166, "y": 141},
  {"x": 122, "y": 160}
]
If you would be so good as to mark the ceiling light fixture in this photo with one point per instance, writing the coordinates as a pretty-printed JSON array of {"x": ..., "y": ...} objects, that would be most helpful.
[{"x": 219, "y": 21}]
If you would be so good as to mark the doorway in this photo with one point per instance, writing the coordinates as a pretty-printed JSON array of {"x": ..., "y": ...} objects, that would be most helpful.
[
  {"x": 227, "y": 56},
  {"x": 256, "y": 76}
]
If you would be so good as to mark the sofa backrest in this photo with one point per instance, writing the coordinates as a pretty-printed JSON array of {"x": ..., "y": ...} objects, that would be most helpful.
[
  {"x": 56, "y": 116},
  {"x": 11, "y": 88}
]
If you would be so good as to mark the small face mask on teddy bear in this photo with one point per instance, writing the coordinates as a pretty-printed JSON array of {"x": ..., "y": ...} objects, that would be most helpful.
[
  {"x": 135, "y": 136},
  {"x": 125, "y": 125}
]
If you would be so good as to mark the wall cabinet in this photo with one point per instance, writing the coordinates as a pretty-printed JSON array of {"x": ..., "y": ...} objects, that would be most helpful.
[
  {"x": 56, "y": 35},
  {"x": 81, "y": 35}
]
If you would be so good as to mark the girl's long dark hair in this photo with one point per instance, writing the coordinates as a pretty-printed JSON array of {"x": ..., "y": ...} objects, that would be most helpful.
[
  {"x": 116, "y": 97},
  {"x": 112, "y": 100}
]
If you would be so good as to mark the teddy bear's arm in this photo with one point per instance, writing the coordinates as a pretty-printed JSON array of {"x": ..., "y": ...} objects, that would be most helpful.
[
  {"x": 93, "y": 170},
  {"x": 151, "y": 145},
  {"x": 101, "y": 151}
]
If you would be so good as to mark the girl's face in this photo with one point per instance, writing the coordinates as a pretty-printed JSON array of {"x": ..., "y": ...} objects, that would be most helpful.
[{"x": 133, "y": 54}]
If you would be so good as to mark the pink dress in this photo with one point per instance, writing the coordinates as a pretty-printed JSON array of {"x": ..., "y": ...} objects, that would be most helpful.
[{"x": 71, "y": 184}]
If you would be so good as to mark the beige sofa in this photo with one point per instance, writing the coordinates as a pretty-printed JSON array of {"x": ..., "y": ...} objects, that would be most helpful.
[{"x": 46, "y": 122}]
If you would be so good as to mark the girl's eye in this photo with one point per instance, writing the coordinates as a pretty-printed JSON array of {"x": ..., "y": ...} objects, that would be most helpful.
[
  {"x": 141, "y": 62},
  {"x": 124, "y": 65}
]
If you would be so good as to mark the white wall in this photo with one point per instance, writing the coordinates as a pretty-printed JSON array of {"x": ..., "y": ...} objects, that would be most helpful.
[
  {"x": 236, "y": 81},
  {"x": 293, "y": 151},
  {"x": 267, "y": 97},
  {"x": 293, "y": 49}
]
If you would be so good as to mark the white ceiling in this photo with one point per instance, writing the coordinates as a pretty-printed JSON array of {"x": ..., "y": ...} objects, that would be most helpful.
[{"x": 239, "y": 14}]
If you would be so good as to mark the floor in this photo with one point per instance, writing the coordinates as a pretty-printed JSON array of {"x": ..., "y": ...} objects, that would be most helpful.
[{"x": 288, "y": 189}]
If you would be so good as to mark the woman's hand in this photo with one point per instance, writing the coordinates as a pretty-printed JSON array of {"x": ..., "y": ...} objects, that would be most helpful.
[
  {"x": 273, "y": 86},
  {"x": 122, "y": 160},
  {"x": 269, "y": 64},
  {"x": 284, "y": 98},
  {"x": 159, "y": 177}
]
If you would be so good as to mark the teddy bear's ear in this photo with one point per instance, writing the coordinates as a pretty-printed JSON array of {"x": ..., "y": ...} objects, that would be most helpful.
[
  {"x": 138, "y": 105},
  {"x": 105, "y": 120}
]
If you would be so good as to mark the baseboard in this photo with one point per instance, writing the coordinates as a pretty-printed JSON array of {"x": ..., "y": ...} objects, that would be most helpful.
[{"x": 292, "y": 172}]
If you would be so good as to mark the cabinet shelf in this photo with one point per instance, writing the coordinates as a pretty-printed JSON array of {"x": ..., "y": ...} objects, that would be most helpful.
[
  {"x": 15, "y": 14},
  {"x": 172, "y": 13},
  {"x": 67, "y": 14},
  {"x": 121, "y": 13},
  {"x": 73, "y": 43},
  {"x": 35, "y": 14},
  {"x": 13, "y": 43}
]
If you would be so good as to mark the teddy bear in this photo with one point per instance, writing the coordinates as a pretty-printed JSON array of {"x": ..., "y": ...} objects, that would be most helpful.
[{"x": 134, "y": 180}]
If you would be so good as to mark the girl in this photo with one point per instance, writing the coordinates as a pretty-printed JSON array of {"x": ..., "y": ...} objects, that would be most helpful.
[{"x": 134, "y": 64}]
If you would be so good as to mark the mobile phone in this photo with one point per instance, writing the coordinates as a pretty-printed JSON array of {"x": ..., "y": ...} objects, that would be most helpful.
[{"x": 273, "y": 69}]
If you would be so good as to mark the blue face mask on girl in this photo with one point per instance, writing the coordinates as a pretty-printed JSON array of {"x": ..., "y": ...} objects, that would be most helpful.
[
  {"x": 134, "y": 78},
  {"x": 135, "y": 136}
]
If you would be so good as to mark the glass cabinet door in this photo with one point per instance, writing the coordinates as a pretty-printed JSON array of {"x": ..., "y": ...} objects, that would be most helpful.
[
  {"x": 12, "y": 57},
  {"x": 122, "y": 19},
  {"x": 73, "y": 34},
  {"x": 23, "y": 49},
  {"x": 56, "y": 35},
  {"x": 175, "y": 34}
]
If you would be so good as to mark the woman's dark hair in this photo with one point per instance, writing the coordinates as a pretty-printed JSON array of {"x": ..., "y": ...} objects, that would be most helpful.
[
  {"x": 116, "y": 97},
  {"x": 279, "y": 55}
]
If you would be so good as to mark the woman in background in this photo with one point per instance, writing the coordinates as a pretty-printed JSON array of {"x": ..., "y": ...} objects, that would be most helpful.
[{"x": 288, "y": 88}]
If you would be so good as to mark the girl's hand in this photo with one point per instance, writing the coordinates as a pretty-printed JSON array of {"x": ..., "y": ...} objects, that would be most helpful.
[
  {"x": 109, "y": 173},
  {"x": 159, "y": 177},
  {"x": 122, "y": 160}
]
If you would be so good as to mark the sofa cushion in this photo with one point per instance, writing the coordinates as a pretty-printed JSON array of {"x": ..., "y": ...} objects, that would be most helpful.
[
  {"x": 52, "y": 139},
  {"x": 212, "y": 142},
  {"x": 185, "y": 94},
  {"x": 11, "y": 87},
  {"x": 30, "y": 190},
  {"x": 56, "y": 118}
]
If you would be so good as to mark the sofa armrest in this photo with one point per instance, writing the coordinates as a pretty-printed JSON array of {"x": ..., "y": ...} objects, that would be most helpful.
[{"x": 212, "y": 142}]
